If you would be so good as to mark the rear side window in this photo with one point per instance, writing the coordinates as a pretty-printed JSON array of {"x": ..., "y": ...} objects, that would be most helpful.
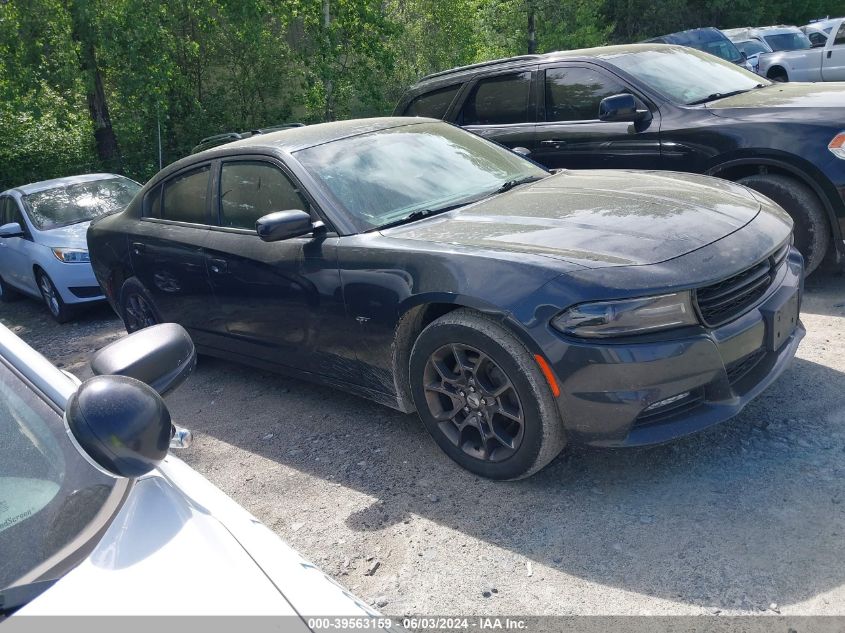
[
  {"x": 498, "y": 100},
  {"x": 252, "y": 189},
  {"x": 183, "y": 198},
  {"x": 840, "y": 35},
  {"x": 433, "y": 104},
  {"x": 574, "y": 94}
]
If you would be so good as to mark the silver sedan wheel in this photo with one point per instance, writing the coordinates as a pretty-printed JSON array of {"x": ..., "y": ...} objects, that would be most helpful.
[{"x": 49, "y": 294}]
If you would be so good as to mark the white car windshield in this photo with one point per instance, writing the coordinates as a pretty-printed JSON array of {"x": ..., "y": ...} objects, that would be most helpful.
[
  {"x": 685, "y": 75},
  {"x": 80, "y": 202},
  {"x": 385, "y": 176}
]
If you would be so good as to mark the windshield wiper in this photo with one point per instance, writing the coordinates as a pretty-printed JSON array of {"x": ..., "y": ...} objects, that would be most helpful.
[
  {"x": 722, "y": 95},
  {"x": 13, "y": 598},
  {"x": 418, "y": 215},
  {"x": 510, "y": 184}
]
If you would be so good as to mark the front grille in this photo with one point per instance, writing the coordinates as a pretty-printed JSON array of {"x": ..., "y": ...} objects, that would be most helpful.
[
  {"x": 741, "y": 368},
  {"x": 727, "y": 299}
]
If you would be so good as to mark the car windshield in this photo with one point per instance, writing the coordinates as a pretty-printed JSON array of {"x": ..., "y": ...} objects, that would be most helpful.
[
  {"x": 385, "y": 176},
  {"x": 48, "y": 492},
  {"x": 788, "y": 41},
  {"x": 751, "y": 47},
  {"x": 685, "y": 75},
  {"x": 80, "y": 202},
  {"x": 709, "y": 41}
]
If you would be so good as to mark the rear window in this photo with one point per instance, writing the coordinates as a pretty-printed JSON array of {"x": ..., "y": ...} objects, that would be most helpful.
[
  {"x": 788, "y": 41},
  {"x": 433, "y": 104},
  {"x": 498, "y": 100}
]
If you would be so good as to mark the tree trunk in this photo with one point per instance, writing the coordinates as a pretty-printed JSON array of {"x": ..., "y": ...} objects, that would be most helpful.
[
  {"x": 532, "y": 30},
  {"x": 104, "y": 136}
]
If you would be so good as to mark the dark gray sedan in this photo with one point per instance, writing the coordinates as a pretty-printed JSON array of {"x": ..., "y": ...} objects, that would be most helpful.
[{"x": 423, "y": 267}]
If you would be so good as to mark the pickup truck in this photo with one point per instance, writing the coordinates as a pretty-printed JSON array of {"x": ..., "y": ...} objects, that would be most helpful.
[{"x": 815, "y": 64}]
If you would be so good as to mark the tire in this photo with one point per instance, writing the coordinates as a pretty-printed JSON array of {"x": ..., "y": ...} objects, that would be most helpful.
[
  {"x": 778, "y": 75},
  {"x": 493, "y": 359},
  {"x": 812, "y": 229},
  {"x": 136, "y": 306},
  {"x": 58, "y": 309},
  {"x": 7, "y": 293}
]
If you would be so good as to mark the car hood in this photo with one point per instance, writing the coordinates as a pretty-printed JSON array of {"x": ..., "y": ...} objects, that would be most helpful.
[
  {"x": 597, "y": 218},
  {"x": 71, "y": 236},
  {"x": 786, "y": 95}
]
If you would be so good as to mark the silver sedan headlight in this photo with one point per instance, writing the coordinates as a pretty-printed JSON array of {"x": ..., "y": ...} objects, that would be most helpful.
[
  {"x": 627, "y": 316},
  {"x": 71, "y": 255}
]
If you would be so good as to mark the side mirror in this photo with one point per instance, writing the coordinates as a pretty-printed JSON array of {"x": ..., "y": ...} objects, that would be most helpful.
[
  {"x": 621, "y": 107},
  {"x": 162, "y": 356},
  {"x": 12, "y": 229},
  {"x": 120, "y": 423},
  {"x": 522, "y": 151},
  {"x": 283, "y": 225}
]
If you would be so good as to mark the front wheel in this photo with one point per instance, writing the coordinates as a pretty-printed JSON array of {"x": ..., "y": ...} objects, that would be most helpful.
[
  {"x": 812, "y": 229},
  {"x": 136, "y": 307},
  {"x": 482, "y": 397},
  {"x": 59, "y": 310}
]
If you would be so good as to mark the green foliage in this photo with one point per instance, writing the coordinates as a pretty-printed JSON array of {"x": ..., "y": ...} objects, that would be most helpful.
[{"x": 192, "y": 68}]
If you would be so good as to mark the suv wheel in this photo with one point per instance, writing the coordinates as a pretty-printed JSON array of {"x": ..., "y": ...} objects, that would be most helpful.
[
  {"x": 812, "y": 230},
  {"x": 482, "y": 398}
]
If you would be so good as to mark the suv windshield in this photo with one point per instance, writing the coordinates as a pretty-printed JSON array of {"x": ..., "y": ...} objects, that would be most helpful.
[
  {"x": 385, "y": 176},
  {"x": 81, "y": 202},
  {"x": 788, "y": 41},
  {"x": 48, "y": 492},
  {"x": 685, "y": 75}
]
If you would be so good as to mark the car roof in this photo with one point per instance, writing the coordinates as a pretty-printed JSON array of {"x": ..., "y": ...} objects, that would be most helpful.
[
  {"x": 751, "y": 31},
  {"x": 576, "y": 54},
  {"x": 43, "y": 185}
]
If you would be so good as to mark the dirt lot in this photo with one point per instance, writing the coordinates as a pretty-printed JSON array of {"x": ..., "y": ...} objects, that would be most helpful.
[{"x": 747, "y": 517}]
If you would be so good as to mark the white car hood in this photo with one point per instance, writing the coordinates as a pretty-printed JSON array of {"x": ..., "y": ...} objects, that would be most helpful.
[
  {"x": 180, "y": 546},
  {"x": 71, "y": 236}
]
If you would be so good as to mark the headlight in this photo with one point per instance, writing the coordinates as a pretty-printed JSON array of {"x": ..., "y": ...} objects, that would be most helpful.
[
  {"x": 71, "y": 255},
  {"x": 837, "y": 145},
  {"x": 627, "y": 316}
]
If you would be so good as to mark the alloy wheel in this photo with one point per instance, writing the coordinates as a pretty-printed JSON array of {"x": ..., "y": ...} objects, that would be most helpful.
[
  {"x": 139, "y": 313},
  {"x": 48, "y": 292},
  {"x": 474, "y": 402}
]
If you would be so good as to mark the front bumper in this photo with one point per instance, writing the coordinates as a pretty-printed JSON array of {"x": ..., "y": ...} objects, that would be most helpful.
[
  {"x": 76, "y": 283},
  {"x": 606, "y": 389}
]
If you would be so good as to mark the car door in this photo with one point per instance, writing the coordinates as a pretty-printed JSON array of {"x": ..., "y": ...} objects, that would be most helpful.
[
  {"x": 16, "y": 256},
  {"x": 280, "y": 302},
  {"x": 167, "y": 248},
  {"x": 833, "y": 61},
  {"x": 569, "y": 133},
  {"x": 501, "y": 108}
]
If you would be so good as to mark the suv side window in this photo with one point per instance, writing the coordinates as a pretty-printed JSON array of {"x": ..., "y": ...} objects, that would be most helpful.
[
  {"x": 498, "y": 100},
  {"x": 183, "y": 198},
  {"x": 433, "y": 104},
  {"x": 574, "y": 94},
  {"x": 252, "y": 189}
]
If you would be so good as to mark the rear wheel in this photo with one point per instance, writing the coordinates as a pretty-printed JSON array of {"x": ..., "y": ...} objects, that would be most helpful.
[
  {"x": 136, "y": 307},
  {"x": 59, "y": 310},
  {"x": 482, "y": 398},
  {"x": 7, "y": 293},
  {"x": 812, "y": 229}
]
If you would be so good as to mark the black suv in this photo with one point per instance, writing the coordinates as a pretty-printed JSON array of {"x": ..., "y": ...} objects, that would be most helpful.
[{"x": 655, "y": 106}]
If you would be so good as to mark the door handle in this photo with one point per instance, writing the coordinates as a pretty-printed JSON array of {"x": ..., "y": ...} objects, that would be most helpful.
[
  {"x": 829, "y": 53},
  {"x": 138, "y": 247},
  {"x": 553, "y": 141},
  {"x": 218, "y": 266}
]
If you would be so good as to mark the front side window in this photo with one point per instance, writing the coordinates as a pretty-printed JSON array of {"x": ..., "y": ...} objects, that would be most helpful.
[
  {"x": 79, "y": 202},
  {"x": 498, "y": 100},
  {"x": 383, "y": 176},
  {"x": 252, "y": 189},
  {"x": 184, "y": 198},
  {"x": 48, "y": 492},
  {"x": 818, "y": 39},
  {"x": 685, "y": 75},
  {"x": 840, "y": 35},
  {"x": 433, "y": 104},
  {"x": 574, "y": 94}
]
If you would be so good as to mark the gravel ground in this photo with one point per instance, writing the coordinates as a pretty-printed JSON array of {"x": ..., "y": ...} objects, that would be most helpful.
[{"x": 748, "y": 517}]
